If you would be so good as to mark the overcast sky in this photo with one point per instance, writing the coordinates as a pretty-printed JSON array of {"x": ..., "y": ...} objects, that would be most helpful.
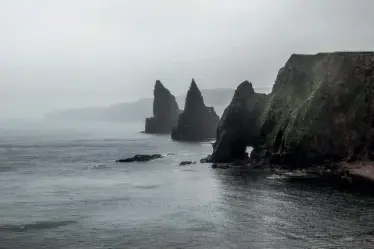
[{"x": 57, "y": 54}]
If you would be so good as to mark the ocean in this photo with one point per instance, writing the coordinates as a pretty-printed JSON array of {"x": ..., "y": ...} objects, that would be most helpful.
[{"x": 60, "y": 188}]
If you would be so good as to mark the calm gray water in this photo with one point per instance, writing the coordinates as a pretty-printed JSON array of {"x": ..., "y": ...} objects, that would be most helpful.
[{"x": 59, "y": 188}]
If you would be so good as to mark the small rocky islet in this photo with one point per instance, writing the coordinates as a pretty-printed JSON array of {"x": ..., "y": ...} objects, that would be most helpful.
[
  {"x": 139, "y": 158},
  {"x": 197, "y": 122},
  {"x": 320, "y": 112},
  {"x": 165, "y": 111}
]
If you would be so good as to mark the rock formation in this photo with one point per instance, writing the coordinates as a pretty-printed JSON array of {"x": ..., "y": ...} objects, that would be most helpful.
[
  {"x": 139, "y": 158},
  {"x": 184, "y": 163},
  {"x": 321, "y": 109},
  {"x": 197, "y": 122},
  {"x": 239, "y": 124},
  {"x": 165, "y": 111}
]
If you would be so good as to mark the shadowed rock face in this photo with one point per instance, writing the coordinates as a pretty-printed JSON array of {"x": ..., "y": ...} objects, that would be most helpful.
[
  {"x": 197, "y": 122},
  {"x": 165, "y": 111},
  {"x": 239, "y": 124},
  {"x": 321, "y": 109}
]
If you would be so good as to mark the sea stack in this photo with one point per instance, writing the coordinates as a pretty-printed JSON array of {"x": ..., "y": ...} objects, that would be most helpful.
[
  {"x": 239, "y": 124},
  {"x": 165, "y": 111},
  {"x": 197, "y": 122}
]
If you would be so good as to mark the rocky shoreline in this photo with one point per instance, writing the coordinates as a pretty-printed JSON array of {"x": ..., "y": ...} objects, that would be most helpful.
[
  {"x": 354, "y": 176},
  {"x": 321, "y": 108},
  {"x": 318, "y": 119}
]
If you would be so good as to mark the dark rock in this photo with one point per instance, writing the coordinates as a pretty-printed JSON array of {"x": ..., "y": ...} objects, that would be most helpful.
[
  {"x": 321, "y": 109},
  {"x": 197, "y": 122},
  {"x": 220, "y": 166},
  {"x": 165, "y": 111},
  {"x": 240, "y": 162},
  {"x": 206, "y": 159},
  {"x": 139, "y": 158},
  {"x": 187, "y": 163},
  {"x": 239, "y": 125}
]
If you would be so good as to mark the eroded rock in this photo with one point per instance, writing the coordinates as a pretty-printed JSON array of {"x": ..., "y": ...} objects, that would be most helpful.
[
  {"x": 220, "y": 166},
  {"x": 239, "y": 125},
  {"x": 320, "y": 110},
  {"x": 165, "y": 111},
  {"x": 197, "y": 122},
  {"x": 139, "y": 158},
  {"x": 186, "y": 163}
]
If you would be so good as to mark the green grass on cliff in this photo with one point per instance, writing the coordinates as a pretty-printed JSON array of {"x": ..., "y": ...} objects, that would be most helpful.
[{"x": 317, "y": 103}]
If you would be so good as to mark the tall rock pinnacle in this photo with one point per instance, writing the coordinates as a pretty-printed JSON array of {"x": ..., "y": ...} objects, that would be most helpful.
[
  {"x": 165, "y": 111},
  {"x": 197, "y": 122}
]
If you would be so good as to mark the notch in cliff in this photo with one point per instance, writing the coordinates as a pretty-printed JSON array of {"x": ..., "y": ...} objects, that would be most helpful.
[
  {"x": 197, "y": 122},
  {"x": 165, "y": 111}
]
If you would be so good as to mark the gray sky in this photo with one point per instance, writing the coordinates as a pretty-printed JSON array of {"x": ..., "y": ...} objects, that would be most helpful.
[{"x": 57, "y": 54}]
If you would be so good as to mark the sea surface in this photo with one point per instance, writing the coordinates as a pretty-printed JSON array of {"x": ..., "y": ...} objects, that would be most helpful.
[{"x": 60, "y": 188}]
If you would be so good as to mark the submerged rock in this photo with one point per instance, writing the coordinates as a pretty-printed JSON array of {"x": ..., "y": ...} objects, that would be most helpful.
[
  {"x": 220, "y": 166},
  {"x": 165, "y": 111},
  {"x": 239, "y": 125},
  {"x": 197, "y": 122},
  {"x": 187, "y": 163},
  {"x": 139, "y": 158}
]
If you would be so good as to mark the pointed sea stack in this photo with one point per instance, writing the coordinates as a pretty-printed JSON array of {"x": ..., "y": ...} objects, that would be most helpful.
[
  {"x": 165, "y": 111},
  {"x": 197, "y": 122}
]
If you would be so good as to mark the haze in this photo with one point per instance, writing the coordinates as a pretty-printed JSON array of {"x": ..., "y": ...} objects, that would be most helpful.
[{"x": 77, "y": 53}]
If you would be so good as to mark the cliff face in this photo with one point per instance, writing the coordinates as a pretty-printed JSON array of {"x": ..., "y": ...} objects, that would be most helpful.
[
  {"x": 165, "y": 111},
  {"x": 321, "y": 109},
  {"x": 197, "y": 122},
  {"x": 239, "y": 124}
]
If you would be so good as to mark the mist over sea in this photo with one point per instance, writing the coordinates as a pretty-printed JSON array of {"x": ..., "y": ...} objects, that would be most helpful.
[{"x": 60, "y": 188}]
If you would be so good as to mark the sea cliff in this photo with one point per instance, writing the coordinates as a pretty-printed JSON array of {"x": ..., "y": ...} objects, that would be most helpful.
[{"x": 320, "y": 110}]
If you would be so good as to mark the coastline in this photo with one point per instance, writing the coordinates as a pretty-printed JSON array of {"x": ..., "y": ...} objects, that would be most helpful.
[{"x": 351, "y": 176}]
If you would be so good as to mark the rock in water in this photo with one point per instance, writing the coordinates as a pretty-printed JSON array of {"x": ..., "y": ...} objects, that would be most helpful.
[
  {"x": 165, "y": 111},
  {"x": 186, "y": 163},
  {"x": 321, "y": 109},
  {"x": 139, "y": 158},
  {"x": 239, "y": 124},
  {"x": 197, "y": 122},
  {"x": 220, "y": 166}
]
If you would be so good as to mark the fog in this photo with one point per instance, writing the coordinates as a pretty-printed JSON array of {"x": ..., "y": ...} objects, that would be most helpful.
[{"x": 79, "y": 53}]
